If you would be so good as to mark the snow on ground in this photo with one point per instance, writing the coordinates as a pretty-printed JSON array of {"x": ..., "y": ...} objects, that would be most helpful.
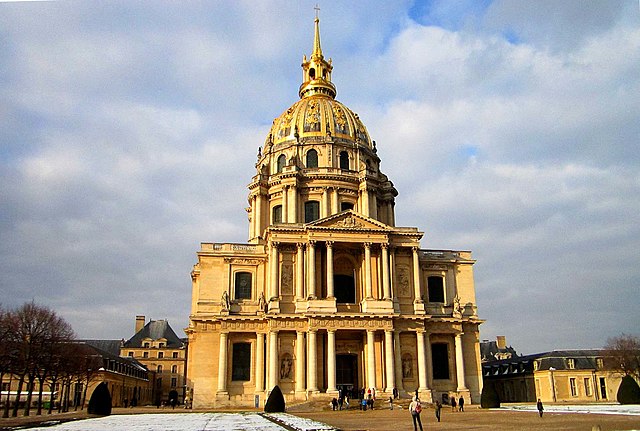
[
  {"x": 189, "y": 422},
  {"x": 604, "y": 409}
]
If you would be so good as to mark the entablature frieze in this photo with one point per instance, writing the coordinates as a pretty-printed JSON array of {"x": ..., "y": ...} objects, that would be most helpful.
[
  {"x": 350, "y": 323},
  {"x": 242, "y": 261}
]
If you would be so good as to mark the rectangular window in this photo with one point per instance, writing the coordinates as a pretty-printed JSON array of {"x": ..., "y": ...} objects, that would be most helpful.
[
  {"x": 131, "y": 354},
  {"x": 160, "y": 355},
  {"x": 572, "y": 386},
  {"x": 311, "y": 211},
  {"x": 241, "y": 362},
  {"x": 5, "y": 387},
  {"x": 146, "y": 345},
  {"x": 587, "y": 387},
  {"x": 145, "y": 354},
  {"x": 346, "y": 206},
  {"x": 440, "y": 359},
  {"x": 276, "y": 216},
  {"x": 174, "y": 355},
  {"x": 174, "y": 382},
  {"x": 435, "y": 286},
  {"x": 603, "y": 388},
  {"x": 242, "y": 285}
]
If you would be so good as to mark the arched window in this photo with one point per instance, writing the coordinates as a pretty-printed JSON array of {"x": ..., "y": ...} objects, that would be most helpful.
[
  {"x": 276, "y": 215},
  {"x": 243, "y": 285},
  {"x": 312, "y": 73},
  {"x": 174, "y": 369},
  {"x": 344, "y": 160},
  {"x": 281, "y": 162},
  {"x": 159, "y": 370},
  {"x": 311, "y": 211},
  {"x": 435, "y": 286},
  {"x": 312, "y": 159}
]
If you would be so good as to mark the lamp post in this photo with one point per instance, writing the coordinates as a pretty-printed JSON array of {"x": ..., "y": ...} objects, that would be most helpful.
[{"x": 553, "y": 384}]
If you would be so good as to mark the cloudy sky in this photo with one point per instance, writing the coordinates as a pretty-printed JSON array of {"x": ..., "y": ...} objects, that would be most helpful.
[{"x": 129, "y": 131}]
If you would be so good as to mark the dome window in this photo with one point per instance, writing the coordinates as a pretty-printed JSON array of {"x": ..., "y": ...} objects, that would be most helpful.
[
  {"x": 311, "y": 211},
  {"x": 312, "y": 159},
  {"x": 344, "y": 160},
  {"x": 276, "y": 215},
  {"x": 281, "y": 162},
  {"x": 312, "y": 73}
]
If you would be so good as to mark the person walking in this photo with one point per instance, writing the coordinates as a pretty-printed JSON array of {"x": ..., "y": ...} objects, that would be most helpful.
[
  {"x": 415, "y": 408},
  {"x": 438, "y": 408},
  {"x": 461, "y": 404},
  {"x": 390, "y": 403},
  {"x": 540, "y": 407},
  {"x": 453, "y": 403}
]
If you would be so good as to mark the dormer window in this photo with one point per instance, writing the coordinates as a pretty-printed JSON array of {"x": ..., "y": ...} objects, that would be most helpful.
[{"x": 571, "y": 364}]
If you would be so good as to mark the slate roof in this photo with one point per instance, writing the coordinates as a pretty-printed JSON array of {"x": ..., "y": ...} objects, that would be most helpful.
[
  {"x": 110, "y": 346},
  {"x": 489, "y": 350},
  {"x": 583, "y": 360},
  {"x": 155, "y": 330}
]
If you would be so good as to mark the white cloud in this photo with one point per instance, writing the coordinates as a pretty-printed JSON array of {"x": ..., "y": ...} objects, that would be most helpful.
[{"x": 132, "y": 131}]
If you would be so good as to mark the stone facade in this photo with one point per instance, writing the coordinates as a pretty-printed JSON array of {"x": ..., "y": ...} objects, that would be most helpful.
[{"x": 328, "y": 294}]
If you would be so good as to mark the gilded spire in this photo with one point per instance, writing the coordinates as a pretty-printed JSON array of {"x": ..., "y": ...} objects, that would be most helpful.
[
  {"x": 316, "y": 71},
  {"x": 317, "y": 50}
]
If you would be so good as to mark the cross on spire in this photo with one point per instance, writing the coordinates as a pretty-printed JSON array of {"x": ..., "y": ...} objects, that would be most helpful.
[{"x": 317, "y": 9}]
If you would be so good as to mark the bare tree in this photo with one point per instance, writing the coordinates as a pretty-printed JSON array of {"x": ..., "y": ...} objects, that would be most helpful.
[
  {"x": 623, "y": 354},
  {"x": 34, "y": 331}
]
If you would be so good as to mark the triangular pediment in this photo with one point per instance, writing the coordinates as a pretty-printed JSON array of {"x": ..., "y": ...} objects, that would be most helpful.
[{"x": 348, "y": 220}]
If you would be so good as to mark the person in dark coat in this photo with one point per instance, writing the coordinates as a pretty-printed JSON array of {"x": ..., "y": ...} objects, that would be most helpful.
[
  {"x": 540, "y": 407},
  {"x": 461, "y": 404},
  {"x": 453, "y": 404},
  {"x": 438, "y": 408}
]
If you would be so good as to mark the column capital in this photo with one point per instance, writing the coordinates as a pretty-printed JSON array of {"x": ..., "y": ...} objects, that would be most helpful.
[
  {"x": 275, "y": 244},
  {"x": 329, "y": 244},
  {"x": 332, "y": 330},
  {"x": 312, "y": 242},
  {"x": 384, "y": 246},
  {"x": 300, "y": 245},
  {"x": 367, "y": 245},
  {"x": 415, "y": 249}
]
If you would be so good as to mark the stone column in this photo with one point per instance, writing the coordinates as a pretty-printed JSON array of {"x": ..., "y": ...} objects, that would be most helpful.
[
  {"x": 422, "y": 366},
  {"x": 293, "y": 204},
  {"x": 300, "y": 271},
  {"x": 416, "y": 276},
  {"x": 371, "y": 359},
  {"x": 273, "y": 360},
  {"x": 398, "y": 360},
  {"x": 258, "y": 224},
  {"x": 386, "y": 286},
  {"x": 312, "y": 373},
  {"x": 285, "y": 202},
  {"x": 367, "y": 270},
  {"x": 311, "y": 269},
  {"x": 365, "y": 202},
  {"x": 259, "y": 362},
  {"x": 389, "y": 360},
  {"x": 335, "y": 208},
  {"x": 392, "y": 269},
  {"x": 222, "y": 363},
  {"x": 330, "y": 292},
  {"x": 273, "y": 282},
  {"x": 374, "y": 206},
  {"x": 460, "y": 363},
  {"x": 331, "y": 361},
  {"x": 300, "y": 362},
  {"x": 324, "y": 210},
  {"x": 252, "y": 225},
  {"x": 429, "y": 359}
]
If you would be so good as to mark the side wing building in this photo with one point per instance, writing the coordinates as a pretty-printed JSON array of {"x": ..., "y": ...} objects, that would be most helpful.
[{"x": 328, "y": 294}]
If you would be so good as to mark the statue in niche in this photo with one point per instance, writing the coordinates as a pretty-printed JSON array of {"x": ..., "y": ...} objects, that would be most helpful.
[
  {"x": 458, "y": 308},
  {"x": 286, "y": 279},
  {"x": 407, "y": 367},
  {"x": 286, "y": 364},
  {"x": 262, "y": 303},
  {"x": 225, "y": 303},
  {"x": 403, "y": 281}
]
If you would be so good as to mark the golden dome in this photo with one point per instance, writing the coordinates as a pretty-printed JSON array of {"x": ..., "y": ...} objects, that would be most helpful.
[
  {"x": 317, "y": 113},
  {"x": 316, "y": 116}
]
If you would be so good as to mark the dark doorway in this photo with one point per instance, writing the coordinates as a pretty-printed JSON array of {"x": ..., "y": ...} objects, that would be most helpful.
[
  {"x": 345, "y": 289},
  {"x": 347, "y": 373}
]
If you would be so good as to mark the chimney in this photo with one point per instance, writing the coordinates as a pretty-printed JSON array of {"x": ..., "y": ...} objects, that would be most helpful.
[
  {"x": 139, "y": 323},
  {"x": 501, "y": 341}
]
